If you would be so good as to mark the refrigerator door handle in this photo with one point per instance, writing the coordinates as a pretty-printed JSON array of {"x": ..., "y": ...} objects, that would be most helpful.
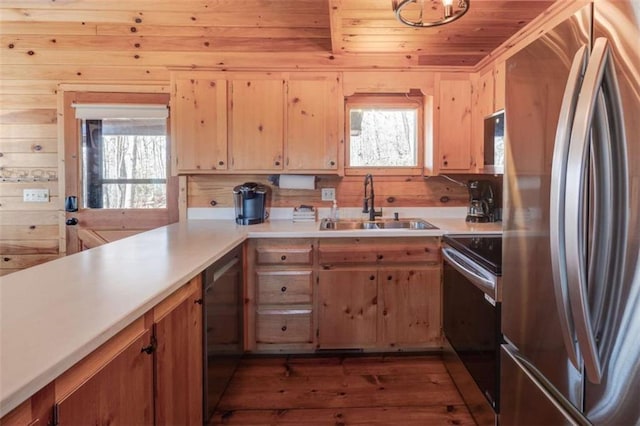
[
  {"x": 598, "y": 104},
  {"x": 557, "y": 212}
]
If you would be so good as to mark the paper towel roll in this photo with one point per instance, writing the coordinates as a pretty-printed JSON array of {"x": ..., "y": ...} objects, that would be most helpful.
[{"x": 297, "y": 182}]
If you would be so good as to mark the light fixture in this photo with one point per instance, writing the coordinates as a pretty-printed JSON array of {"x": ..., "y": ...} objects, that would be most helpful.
[{"x": 449, "y": 15}]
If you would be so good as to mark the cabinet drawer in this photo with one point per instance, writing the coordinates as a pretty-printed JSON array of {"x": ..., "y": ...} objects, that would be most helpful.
[
  {"x": 293, "y": 255},
  {"x": 378, "y": 251},
  {"x": 284, "y": 326},
  {"x": 284, "y": 287}
]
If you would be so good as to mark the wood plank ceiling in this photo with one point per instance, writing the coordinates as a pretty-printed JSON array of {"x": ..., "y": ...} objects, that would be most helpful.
[{"x": 339, "y": 27}]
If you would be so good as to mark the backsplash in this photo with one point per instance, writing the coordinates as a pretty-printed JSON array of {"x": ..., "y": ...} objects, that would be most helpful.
[{"x": 390, "y": 191}]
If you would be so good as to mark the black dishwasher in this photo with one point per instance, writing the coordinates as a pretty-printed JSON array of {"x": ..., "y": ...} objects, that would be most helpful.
[
  {"x": 471, "y": 309},
  {"x": 223, "y": 343}
]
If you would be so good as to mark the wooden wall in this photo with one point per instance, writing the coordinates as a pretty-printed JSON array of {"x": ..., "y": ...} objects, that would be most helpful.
[{"x": 45, "y": 43}]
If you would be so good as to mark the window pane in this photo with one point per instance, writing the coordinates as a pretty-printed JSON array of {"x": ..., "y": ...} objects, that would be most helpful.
[
  {"x": 383, "y": 137},
  {"x": 124, "y": 163},
  {"x": 134, "y": 196}
]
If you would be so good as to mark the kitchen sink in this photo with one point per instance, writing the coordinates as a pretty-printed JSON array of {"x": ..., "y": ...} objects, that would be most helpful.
[{"x": 355, "y": 224}]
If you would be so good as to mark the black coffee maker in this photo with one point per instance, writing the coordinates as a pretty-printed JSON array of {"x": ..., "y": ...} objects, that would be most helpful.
[
  {"x": 482, "y": 202},
  {"x": 250, "y": 200}
]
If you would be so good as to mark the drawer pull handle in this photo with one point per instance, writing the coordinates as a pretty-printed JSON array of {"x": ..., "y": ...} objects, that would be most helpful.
[
  {"x": 372, "y": 277},
  {"x": 284, "y": 328},
  {"x": 389, "y": 278},
  {"x": 283, "y": 289},
  {"x": 283, "y": 257}
]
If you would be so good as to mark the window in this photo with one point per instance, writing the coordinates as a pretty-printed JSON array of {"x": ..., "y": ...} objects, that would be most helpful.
[
  {"x": 385, "y": 132},
  {"x": 124, "y": 156}
]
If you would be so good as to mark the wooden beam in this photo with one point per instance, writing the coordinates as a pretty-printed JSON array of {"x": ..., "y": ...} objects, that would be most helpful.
[{"x": 335, "y": 25}]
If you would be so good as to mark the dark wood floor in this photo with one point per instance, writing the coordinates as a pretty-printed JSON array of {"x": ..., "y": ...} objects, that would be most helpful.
[{"x": 355, "y": 390}]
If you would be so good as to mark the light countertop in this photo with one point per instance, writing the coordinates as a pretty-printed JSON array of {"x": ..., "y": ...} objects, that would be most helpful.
[{"x": 53, "y": 315}]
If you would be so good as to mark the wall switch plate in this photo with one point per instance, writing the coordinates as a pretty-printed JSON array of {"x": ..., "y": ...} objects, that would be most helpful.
[
  {"x": 35, "y": 195},
  {"x": 328, "y": 194}
]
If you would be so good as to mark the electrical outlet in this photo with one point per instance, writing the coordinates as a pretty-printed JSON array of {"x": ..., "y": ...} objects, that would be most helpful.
[
  {"x": 35, "y": 195},
  {"x": 328, "y": 194}
]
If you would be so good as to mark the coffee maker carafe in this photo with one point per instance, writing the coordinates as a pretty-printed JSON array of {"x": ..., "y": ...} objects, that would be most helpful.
[
  {"x": 250, "y": 200},
  {"x": 482, "y": 203}
]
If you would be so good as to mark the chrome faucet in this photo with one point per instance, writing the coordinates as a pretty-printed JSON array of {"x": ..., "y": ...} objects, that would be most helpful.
[{"x": 368, "y": 202}]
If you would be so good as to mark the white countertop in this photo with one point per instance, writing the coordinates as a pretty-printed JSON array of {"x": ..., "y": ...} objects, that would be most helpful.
[{"x": 53, "y": 315}]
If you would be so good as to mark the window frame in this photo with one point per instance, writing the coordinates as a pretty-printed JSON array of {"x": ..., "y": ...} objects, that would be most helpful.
[{"x": 391, "y": 101}]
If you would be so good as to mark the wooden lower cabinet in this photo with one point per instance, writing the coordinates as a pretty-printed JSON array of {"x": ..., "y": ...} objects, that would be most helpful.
[
  {"x": 379, "y": 294},
  {"x": 347, "y": 308},
  {"x": 150, "y": 373},
  {"x": 410, "y": 306},
  {"x": 279, "y": 309},
  {"x": 178, "y": 363},
  {"x": 121, "y": 392}
]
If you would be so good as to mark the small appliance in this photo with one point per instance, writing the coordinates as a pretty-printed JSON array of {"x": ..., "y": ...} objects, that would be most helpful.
[
  {"x": 250, "y": 200},
  {"x": 482, "y": 202}
]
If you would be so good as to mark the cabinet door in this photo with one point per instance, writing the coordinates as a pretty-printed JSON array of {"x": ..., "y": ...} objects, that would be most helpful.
[
  {"x": 454, "y": 123},
  {"x": 178, "y": 365},
  {"x": 313, "y": 110},
  {"x": 347, "y": 308},
  {"x": 410, "y": 305},
  {"x": 199, "y": 124},
  {"x": 119, "y": 393},
  {"x": 257, "y": 124}
]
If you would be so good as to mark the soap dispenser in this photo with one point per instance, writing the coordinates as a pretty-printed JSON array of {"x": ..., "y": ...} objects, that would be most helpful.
[{"x": 334, "y": 211}]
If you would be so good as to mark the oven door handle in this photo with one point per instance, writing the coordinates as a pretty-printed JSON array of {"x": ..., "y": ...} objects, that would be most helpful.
[{"x": 464, "y": 266}]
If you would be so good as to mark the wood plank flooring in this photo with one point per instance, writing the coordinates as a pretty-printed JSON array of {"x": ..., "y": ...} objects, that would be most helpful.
[{"x": 402, "y": 390}]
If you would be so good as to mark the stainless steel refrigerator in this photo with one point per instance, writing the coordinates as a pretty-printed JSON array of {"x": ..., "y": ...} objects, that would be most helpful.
[{"x": 571, "y": 271}]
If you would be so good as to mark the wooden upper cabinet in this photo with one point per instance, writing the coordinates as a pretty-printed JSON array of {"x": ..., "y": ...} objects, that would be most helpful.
[
  {"x": 313, "y": 116},
  {"x": 482, "y": 106},
  {"x": 199, "y": 124},
  {"x": 257, "y": 124},
  {"x": 454, "y": 145}
]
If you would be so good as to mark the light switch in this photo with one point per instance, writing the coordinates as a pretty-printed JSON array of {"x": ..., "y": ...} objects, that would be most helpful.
[{"x": 35, "y": 195}]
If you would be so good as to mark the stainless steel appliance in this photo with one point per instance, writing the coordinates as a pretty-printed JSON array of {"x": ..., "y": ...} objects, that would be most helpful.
[
  {"x": 471, "y": 320},
  {"x": 250, "y": 201},
  {"x": 482, "y": 201},
  {"x": 571, "y": 271},
  {"x": 494, "y": 143},
  {"x": 223, "y": 344}
]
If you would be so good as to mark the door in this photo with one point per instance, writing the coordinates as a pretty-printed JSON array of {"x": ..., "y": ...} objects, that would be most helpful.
[
  {"x": 619, "y": 322},
  {"x": 347, "y": 308},
  {"x": 257, "y": 124},
  {"x": 178, "y": 364},
  {"x": 531, "y": 320},
  {"x": 121, "y": 392},
  {"x": 117, "y": 178}
]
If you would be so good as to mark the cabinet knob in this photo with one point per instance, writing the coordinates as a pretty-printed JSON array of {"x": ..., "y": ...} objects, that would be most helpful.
[
  {"x": 277, "y": 163},
  {"x": 284, "y": 328},
  {"x": 380, "y": 257},
  {"x": 332, "y": 163},
  {"x": 283, "y": 257},
  {"x": 198, "y": 301},
  {"x": 372, "y": 277},
  {"x": 220, "y": 163},
  {"x": 283, "y": 289},
  {"x": 389, "y": 278}
]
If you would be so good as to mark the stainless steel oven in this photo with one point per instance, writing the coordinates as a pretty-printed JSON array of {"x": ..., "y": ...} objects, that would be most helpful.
[{"x": 471, "y": 319}]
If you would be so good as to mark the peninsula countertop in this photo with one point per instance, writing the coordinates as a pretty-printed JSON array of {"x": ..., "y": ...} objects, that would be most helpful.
[{"x": 53, "y": 315}]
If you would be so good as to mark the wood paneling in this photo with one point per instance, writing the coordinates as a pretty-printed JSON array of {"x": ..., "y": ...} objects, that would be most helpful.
[
  {"x": 45, "y": 43},
  {"x": 203, "y": 191}
]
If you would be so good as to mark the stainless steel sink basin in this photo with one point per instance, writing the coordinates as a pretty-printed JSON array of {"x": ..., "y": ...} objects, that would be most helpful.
[{"x": 351, "y": 225}]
